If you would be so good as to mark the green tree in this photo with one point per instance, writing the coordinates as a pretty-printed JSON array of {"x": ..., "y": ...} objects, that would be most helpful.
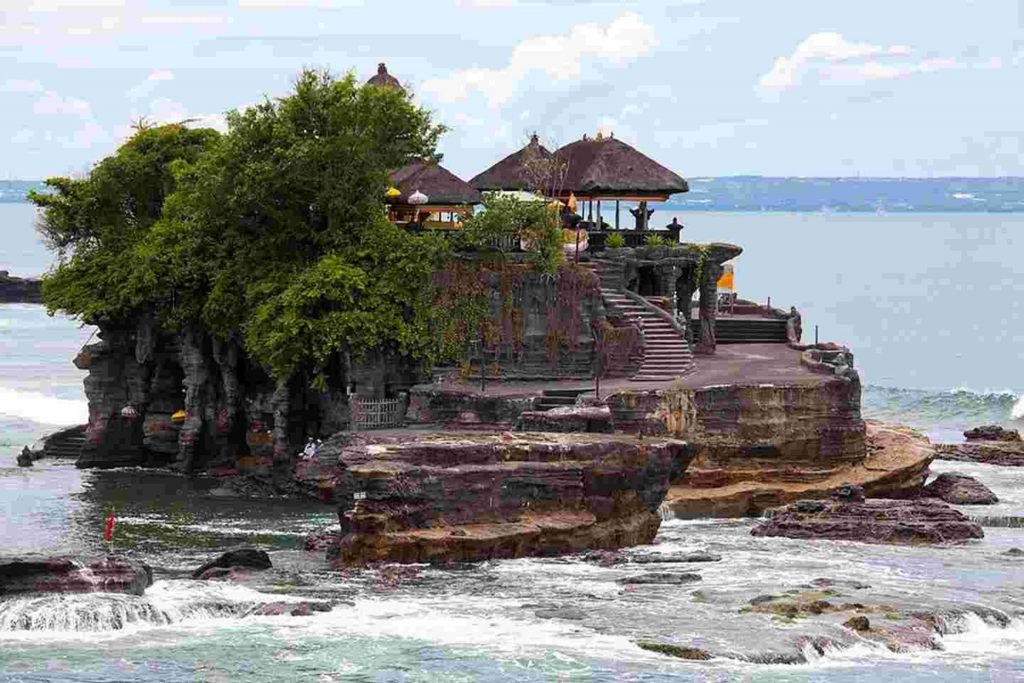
[
  {"x": 506, "y": 220},
  {"x": 276, "y": 235},
  {"x": 95, "y": 224}
]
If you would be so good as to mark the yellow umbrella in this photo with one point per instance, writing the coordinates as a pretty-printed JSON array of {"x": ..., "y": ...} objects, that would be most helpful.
[
  {"x": 393, "y": 193},
  {"x": 179, "y": 416},
  {"x": 572, "y": 202}
]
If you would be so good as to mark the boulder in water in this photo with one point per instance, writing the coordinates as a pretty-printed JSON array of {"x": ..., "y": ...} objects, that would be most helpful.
[
  {"x": 992, "y": 433},
  {"x": 698, "y": 556},
  {"x": 661, "y": 578},
  {"x": 295, "y": 609},
  {"x": 959, "y": 489},
  {"x": 111, "y": 574},
  {"x": 989, "y": 444},
  {"x": 680, "y": 651},
  {"x": 900, "y": 522},
  {"x": 249, "y": 558}
]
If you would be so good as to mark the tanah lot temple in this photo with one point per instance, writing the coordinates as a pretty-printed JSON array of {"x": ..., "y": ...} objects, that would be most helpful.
[{"x": 629, "y": 378}]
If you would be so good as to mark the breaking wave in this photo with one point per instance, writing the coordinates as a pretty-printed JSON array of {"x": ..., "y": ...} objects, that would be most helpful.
[
  {"x": 943, "y": 413},
  {"x": 42, "y": 409}
]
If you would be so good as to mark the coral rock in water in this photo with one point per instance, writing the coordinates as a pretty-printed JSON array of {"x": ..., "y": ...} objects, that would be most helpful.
[{"x": 901, "y": 522}]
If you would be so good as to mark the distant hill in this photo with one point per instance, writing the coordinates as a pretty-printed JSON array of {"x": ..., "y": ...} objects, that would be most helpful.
[
  {"x": 756, "y": 193},
  {"x": 759, "y": 193}
]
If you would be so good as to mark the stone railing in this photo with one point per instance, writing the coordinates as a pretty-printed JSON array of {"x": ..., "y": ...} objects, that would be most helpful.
[
  {"x": 633, "y": 238},
  {"x": 827, "y": 359}
]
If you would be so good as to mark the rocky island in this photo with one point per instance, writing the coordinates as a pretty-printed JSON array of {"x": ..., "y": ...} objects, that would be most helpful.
[
  {"x": 489, "y": 384},
  {"x": 18, "y": 290}
]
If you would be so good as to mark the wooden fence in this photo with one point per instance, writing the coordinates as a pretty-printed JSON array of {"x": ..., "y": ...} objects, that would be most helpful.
[{"x": 377, "y": 413}]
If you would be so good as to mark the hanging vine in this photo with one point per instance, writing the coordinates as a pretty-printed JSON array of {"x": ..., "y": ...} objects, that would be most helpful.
[{"x": 480, "y": 301}]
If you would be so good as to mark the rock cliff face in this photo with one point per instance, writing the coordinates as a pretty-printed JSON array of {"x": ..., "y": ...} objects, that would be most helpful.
[
  {"x": 138, "y": 377},
  {"x": 17, "y": 290},
  {"x": 457, "y": 497},
  {"x": 789, "y": 432}
]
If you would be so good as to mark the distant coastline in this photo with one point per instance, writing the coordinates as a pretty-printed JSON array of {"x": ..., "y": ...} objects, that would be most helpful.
[{"x": 793, "y": 194}]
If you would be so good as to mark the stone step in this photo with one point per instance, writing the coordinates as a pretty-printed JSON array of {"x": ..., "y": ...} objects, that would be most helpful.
[
  {"x": 557, "y": 400},
  {"x": 564, "y": 392}
]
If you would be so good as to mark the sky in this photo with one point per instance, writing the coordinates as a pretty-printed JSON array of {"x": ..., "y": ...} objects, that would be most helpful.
[{"x": 706, "y": 87}]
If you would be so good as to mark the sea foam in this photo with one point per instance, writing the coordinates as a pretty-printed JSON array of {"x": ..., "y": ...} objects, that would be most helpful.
[
  {"x": 42, "y": 409},
  {"x": 1018, "y": 409}
]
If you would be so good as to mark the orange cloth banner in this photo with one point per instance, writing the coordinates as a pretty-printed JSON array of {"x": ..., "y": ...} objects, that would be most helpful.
[{"x": 727, "y": 281}]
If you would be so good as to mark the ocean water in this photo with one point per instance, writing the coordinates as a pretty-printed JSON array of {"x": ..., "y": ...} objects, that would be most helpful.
[{"x": 930, "y": 304}]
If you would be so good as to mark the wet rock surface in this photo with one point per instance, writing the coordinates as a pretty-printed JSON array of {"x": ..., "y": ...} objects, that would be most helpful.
[
  {"x": 465, "y": 497},
  {"x": 111, "y": 574},
  {"x": 660, "y": 579},
  {"x": 992, "y": 433},
  {"x": 295, "y": 609},
  {"x": 959, "y": 489},
  {"x": 581, "y": 419},
  {"x": 989, "y": 444},
  {"x": 904, "y": 522},
  {"x": 233, "y": 562}
]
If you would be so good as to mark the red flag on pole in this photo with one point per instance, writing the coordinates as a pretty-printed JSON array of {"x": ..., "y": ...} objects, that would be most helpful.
[{"x": 108, "y": 529}]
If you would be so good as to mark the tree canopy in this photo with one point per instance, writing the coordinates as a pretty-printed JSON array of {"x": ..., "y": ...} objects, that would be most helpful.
[{"x": 273, "y": 234}]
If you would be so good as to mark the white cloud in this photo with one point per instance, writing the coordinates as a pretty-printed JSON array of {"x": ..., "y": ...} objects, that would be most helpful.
[
  {"x": 23, "y": 136},
  {"x": 559, "y": 57},
  {"x": 182, "y": 19},
  {"x": 53, "y": 104},
  {"x": 298, "y": 4},
  {"x": 148, "y": 86},
  {"x": 815, "y": 49},
  {"x": 21, "y": 86},
  {"x": 485, "y": 4},
  {"x": 830, "y": 57},
  {"x": 62, "y": 5}
]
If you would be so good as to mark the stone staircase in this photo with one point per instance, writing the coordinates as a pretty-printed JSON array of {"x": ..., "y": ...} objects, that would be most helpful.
[
  {"x": 66, "y": 443},
  {"x": 745, "y": 330},
  {"x": 667, "y": 354},
  {"x": 558, "y": 398}
]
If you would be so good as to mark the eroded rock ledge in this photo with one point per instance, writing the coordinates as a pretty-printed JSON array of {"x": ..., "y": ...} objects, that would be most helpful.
[{"x": 464, "y": 497}]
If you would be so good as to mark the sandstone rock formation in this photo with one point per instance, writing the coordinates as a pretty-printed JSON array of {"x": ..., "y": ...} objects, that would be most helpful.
[
  {"x": 893, "y": 465},
  {"x": 901, "y": 522},
  {"x": 989, "y": 444},
  {"x": 959, "y": 489},
  {"x": 463, "y": 497},
  {"x": 111, "y": 574}
]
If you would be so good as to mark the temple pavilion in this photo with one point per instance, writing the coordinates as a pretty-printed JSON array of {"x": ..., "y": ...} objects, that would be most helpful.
[{"x": 428, "y": 196}]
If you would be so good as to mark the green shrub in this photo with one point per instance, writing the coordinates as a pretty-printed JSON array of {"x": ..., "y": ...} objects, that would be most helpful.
[
  {"x": 615, "y": 241},
  {"x": 656, "y": 241}
]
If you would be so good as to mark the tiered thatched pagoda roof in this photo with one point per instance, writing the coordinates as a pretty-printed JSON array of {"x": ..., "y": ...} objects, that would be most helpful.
[
  {"x": 442, "y": 187},
  {"x": 383, "y": 79},
  {"x": 607, "y": 168},
  {"x": 511, "y": 173}
]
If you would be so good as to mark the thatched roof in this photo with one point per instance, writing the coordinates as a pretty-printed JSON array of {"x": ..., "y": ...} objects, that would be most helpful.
[
  {"x": 609, "y": 167},
  {"x": 384, "y": 79},
  {"x": 442, "y": 187},
  {"x": 510, "y": 173}
]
